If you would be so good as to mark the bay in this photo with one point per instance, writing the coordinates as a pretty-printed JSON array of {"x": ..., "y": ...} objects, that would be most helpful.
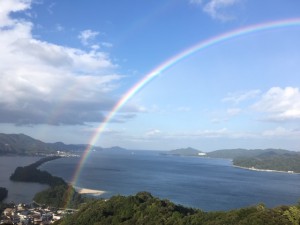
[
  {"x": 18, "y": 192},
  {"x": 205, "y": 183}
]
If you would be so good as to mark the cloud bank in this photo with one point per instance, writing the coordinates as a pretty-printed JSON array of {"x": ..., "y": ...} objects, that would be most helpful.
[
  {"x": 280, "y": 104},
  {"x": 45, "y": 83}
]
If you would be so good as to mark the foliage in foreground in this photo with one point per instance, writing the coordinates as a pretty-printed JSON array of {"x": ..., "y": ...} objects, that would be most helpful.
[
  {"x": 60, "y": 196},
  {"x": 145, "y": 209}
]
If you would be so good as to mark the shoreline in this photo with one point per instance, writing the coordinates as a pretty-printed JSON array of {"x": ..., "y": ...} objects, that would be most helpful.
[
  {"x": 264, "y": 170},
  {"x": 87, "y": 191}
]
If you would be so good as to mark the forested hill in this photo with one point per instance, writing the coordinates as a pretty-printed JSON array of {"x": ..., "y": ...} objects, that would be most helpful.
[
  {"x": 288, "y": 162},
  {"x": 267, "y": 159},
  {"x": 22, "y": 144},
  {"x": 240, "y": 152},
  {"x": 145, "y": 209}
]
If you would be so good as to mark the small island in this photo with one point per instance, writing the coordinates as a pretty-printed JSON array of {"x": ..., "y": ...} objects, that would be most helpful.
[{"x": 186, "y": 152}]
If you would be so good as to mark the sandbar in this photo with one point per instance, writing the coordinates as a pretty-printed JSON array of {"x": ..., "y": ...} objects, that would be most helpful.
[{"x": 89, "y": 191}]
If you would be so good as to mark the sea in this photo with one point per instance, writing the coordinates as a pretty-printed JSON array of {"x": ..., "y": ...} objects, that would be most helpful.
[{"x": 205, "y": 183}]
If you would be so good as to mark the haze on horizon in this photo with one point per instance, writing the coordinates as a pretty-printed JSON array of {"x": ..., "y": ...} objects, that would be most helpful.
[{"x": 65, "y": 64}]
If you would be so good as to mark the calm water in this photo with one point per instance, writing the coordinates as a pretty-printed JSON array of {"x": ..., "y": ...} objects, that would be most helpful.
[
  {"x": 209, "y": 184},
  {"x": 17, "y": 191}
]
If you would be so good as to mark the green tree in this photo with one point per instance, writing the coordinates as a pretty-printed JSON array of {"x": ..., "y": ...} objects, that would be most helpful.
[{"x": 293, "y": 214}]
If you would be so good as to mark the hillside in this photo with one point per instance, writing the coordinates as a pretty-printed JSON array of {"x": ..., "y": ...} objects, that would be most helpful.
[{"x": 145, "y": 209}]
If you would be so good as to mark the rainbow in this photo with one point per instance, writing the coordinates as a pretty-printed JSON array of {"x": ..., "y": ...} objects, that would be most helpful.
[{"x": 171, "y": 62}]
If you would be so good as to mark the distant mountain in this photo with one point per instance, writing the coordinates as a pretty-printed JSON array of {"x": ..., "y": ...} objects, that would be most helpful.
[
  {"x": 238, "y": 153},
  {"x": 186, "y": 152},
  {"x": 60, "y": 146},
  {"x": 114, "y": 149},
  {"x": 22, "y": 144}
]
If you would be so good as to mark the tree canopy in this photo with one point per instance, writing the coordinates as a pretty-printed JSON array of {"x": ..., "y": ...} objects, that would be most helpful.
[{"x": 145, "y": 209}]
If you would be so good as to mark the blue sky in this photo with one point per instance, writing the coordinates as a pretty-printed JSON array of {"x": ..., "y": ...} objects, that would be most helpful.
[{"x": 65, "y": 64}]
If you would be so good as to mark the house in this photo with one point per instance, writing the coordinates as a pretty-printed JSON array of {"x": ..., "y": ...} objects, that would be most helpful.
[
  {"x": 8, "y": 212},
  {"x": 37, "y": 220},
  {"x": 21, "y": 207},
  {"x": 201, "y": 154},
  {"x": 24, "y": 214},
  {"x": 56, "y": 217}
]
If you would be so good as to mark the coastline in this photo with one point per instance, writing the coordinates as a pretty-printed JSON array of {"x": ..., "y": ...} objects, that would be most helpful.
[{"x": 264, "y": 170}]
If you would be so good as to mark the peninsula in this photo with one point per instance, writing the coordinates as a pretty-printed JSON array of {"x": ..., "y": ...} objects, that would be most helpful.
[{"x": 58, "y": 192}]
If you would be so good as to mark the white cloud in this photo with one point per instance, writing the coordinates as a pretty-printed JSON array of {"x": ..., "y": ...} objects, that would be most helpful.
[
  {"x": 280, "y": 104},
  {"x": 225, "y": 116},
  {"x": 213, "y": 133},
  {"x": 222, "y": 133},
  {"x": 217, "y": 9},
  {"x": 233, "y": 111},
  {"x": 282, "y": 132},
  {"x": 87, "y": 36},
  {"x": 45, "y": 83},
  {"x": 153, "y": 132},
  {"x": 9, "y": 6},
  {"x": 157, "y": 135},
  {"x": 200, "y": 134},
  {"x": 239, "y": 97}
]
